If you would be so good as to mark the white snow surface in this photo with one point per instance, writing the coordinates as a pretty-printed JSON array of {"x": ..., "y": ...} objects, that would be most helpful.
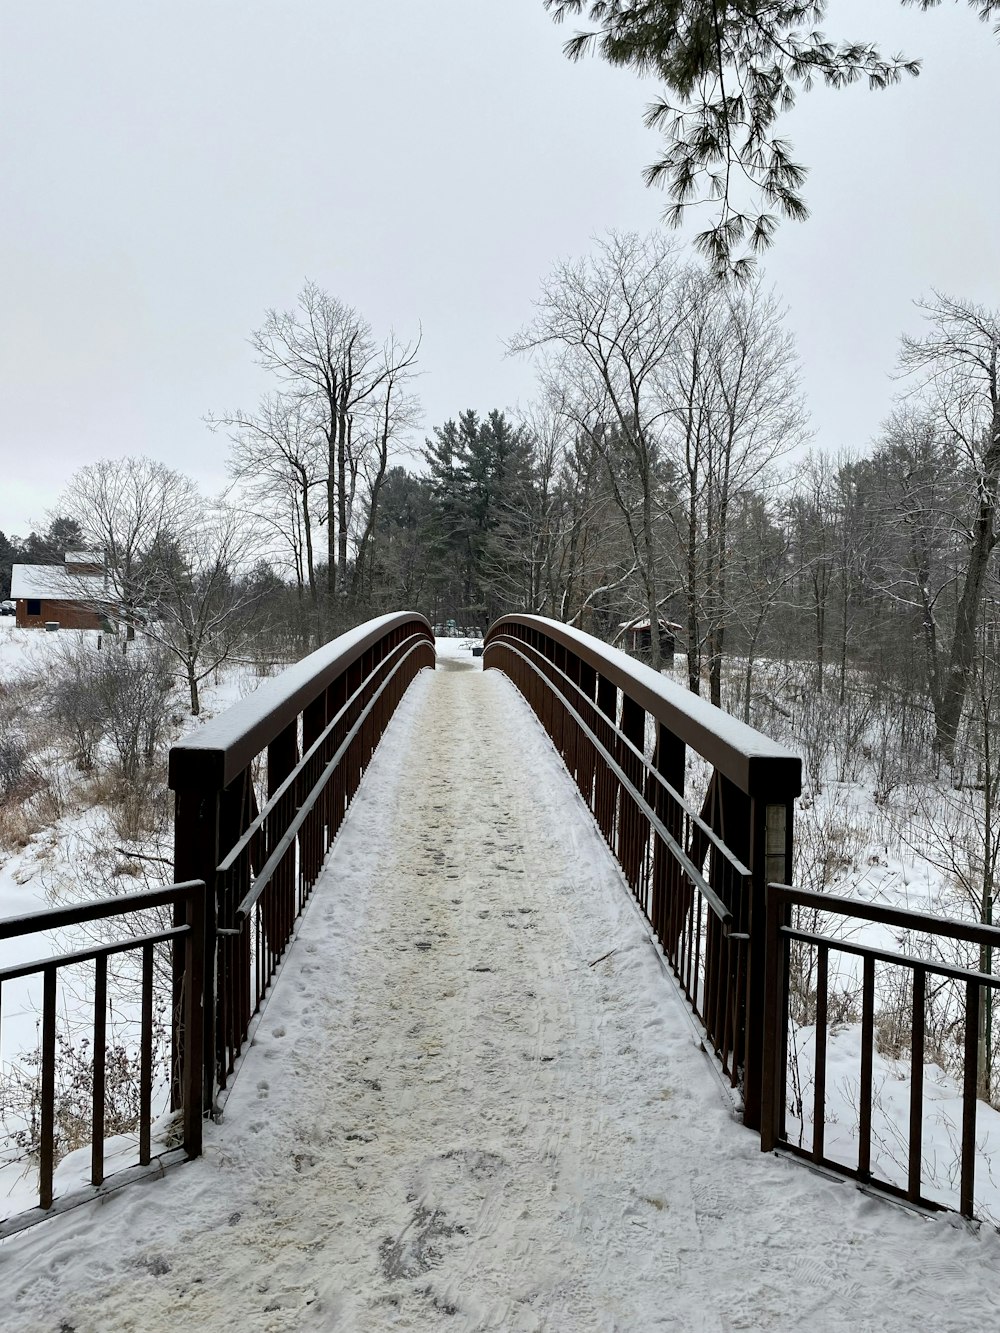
[
  {"x": 55, "y": 581},
  {"x": 454, "y": 1116}
]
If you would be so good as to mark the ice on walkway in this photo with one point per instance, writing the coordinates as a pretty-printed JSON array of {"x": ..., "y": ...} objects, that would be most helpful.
[{"x": 454, "y": 1117}]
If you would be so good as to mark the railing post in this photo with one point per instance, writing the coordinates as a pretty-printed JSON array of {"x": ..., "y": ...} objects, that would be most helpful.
[
  {"x": 194, "y": 1016},
  {"x": 232, "y": 956},
  {"x": 775, "y": 1020},
  {"x": 605, "y": 787},
  {"x": 314, "y": 719},
  {"x": 587, "y": 678},
  {"x": 279, "y": 913},
  {"x": 769, "y": 861},
  {"x": 196, "y": 856}
]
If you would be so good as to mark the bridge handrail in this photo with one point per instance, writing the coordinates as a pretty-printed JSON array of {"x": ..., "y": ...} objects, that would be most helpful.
[
  {"x": 831, "y": 928},
  {"x": 228, "y": 860},
  {"x": 712, "y": 899},
  {"x": 185, "y": 936},
  {"x": 308, "y": 799},
  {"x": 744, "y": 755},
  {"x": 217, "y": 752},
  {"x": 592, "y": 692},
  {"x": 260, "y": 852}
]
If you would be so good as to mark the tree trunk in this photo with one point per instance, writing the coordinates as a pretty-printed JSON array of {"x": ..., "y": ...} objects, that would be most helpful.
[
  {"x": 693, "y": 629},
  {"x": 307, "y": 533},
  {"x": 357, "y": 586},
  {"x": 655, "y": 654},
  {"x": 331, "y": 514},
  {"x": 948, "y": 708},
  {"x": 342, "y": 427}
]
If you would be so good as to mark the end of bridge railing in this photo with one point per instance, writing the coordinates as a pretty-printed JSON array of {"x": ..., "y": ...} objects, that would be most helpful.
[{"x": 623, "y": 731}]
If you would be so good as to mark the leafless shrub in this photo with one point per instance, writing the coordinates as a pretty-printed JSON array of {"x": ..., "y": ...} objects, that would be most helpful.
[
  {"x": 73, "y": 701},
  {"x": 828, "y": 843},
  {"x": 119, "y": 699},
  {"x": 21, "y": 1092},
  {"x": 92, "y": 866},
  {"x": 30, "y": 798},
  {"x": 854, "y": 720},
  {"x": 14, "y": 766},
  {"x": 894, "y": 1018},
  {"x": 814, "y": 733}
]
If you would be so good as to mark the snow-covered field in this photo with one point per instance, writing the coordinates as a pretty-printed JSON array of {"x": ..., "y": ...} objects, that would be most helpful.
[{"x": 476, "y": 1101}]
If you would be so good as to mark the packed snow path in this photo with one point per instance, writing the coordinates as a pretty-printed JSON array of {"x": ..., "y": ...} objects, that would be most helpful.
[{"x": 475, "y": 1101}]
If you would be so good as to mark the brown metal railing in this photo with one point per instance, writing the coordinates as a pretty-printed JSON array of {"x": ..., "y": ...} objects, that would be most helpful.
[
  {"x": 185, "y": 937},
  {"x": 901, "y": 1167},
  {"x": 260, "y": 795},
  {"x": 622, "y": 731}
]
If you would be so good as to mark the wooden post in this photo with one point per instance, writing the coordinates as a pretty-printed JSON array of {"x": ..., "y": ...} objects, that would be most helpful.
[
  {"x": 196, "y": 856},
  {"x": 194, "y": 1015},
  {"x": 770, "y": 861}
]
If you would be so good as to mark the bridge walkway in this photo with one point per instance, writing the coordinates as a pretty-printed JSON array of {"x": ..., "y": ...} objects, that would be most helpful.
[{"x": 474, "y": 1101}]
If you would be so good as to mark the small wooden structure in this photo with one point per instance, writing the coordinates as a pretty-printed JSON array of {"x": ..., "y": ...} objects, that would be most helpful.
[{"x": 635, "y": 637}]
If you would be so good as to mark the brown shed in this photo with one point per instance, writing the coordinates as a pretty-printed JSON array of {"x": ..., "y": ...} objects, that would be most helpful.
[{"x": 635, "y": 637}]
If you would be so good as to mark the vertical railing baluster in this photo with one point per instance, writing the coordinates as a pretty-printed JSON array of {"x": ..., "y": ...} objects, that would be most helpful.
[
  {"x": 100, "y": 1060},
  {"x": 146, "y": 1057},
  {"x": 47, "y": 1126},
  {"x": 916, "y": 1084},
  {"x": 969, "y": 1100},
  {"x": 866, "y": 1088},
  {"x": 819, "y": 1071}
]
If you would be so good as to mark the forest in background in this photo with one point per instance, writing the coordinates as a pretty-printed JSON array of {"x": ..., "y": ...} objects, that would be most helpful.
[{"x": 662, "y": 471}]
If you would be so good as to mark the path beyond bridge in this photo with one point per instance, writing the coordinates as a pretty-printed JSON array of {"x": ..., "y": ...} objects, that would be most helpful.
[{"x": 475, "y": 1100}]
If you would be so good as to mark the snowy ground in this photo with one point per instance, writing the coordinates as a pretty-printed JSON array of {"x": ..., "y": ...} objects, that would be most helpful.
[{"x": 475, "y": 1101}]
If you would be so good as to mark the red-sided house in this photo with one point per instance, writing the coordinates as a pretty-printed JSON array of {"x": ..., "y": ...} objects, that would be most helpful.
[{"x": 70, "y": 595}]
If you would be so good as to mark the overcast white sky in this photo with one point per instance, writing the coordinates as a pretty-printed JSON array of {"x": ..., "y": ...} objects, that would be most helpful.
[{"x": 171, "y": 168}]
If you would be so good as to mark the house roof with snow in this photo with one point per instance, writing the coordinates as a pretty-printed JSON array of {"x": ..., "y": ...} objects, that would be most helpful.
[
  {"x": 55, "y": 583},
  {"x": 644, "y": 624}
]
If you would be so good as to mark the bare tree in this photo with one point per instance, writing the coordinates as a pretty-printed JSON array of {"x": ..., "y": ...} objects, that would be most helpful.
[
  {"x": 392, "y": 411},
  {"x": 204, "y": 609},
  {"x": 958, "y": 363},
  {"x": 613, "y": 317},
  {"x": 730, "y": 389},
  {"x": 325, "y": 354},
  {"x": 128, "y": 510},
  {"x": 277, "y": 462}
]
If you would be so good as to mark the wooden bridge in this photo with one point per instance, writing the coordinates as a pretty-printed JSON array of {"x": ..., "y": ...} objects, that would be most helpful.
[{"x": 474, "y": 976}]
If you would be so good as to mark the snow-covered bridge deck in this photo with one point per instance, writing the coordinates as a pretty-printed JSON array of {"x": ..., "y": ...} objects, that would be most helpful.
[{"x": 475, "y": 1101}]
